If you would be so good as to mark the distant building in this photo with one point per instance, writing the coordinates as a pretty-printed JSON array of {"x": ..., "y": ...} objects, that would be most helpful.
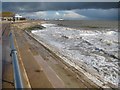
[
  {"x": 9, "y": 16},
  {"x": 18, "y": 17},
  {"x": 0, "y": 17},
  {"x": 61, "y": 19}
]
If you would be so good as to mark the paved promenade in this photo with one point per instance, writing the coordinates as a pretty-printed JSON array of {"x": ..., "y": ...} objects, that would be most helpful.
[
  {"x": 7, "y": 69},
  {"x": 0, "y": 56}
]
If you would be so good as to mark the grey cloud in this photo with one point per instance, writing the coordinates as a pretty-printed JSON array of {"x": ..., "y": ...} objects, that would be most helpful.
[
  {"x": 91, "y": 10},
  {"x": 60, "y": 1},
  {"x": 105, "y": 14},
  {"x": 77, "y": 14},
  {"x": 44, "y": 6}
]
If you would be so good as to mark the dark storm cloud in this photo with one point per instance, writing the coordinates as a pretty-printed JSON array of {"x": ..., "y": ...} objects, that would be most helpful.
[
  {"x": 104, "y": 14},
  {"x": 43, "y": 6}
]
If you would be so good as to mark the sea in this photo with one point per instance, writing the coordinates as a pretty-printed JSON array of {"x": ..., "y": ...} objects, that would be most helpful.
[{"x": 88, "y": 24}]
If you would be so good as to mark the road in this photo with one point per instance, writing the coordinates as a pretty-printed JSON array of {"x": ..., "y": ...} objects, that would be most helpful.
[
  {"x": 0, "y": 56},
  {"x": 0, "y": 65},
  {"x": 7, "y": 69},
  {"x": 36, "y": 76},
  {"x": 7, "y": 79},
  {"x": 40, "y": 62}
]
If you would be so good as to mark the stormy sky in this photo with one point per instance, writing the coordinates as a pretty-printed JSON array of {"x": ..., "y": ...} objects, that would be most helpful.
[
  {"x": 60, "y": 1},
  {"x": 65, "y": 10}
]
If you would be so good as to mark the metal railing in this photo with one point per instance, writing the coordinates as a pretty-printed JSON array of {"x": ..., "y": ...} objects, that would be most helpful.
[{"x": 16, "y": 68}]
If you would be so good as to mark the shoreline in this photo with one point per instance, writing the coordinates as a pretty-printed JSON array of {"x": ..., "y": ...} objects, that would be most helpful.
[
  {"x": 67, "y": 59},
  {"x": 63, "y": 58},
  {"x": 71, "y": 65}
]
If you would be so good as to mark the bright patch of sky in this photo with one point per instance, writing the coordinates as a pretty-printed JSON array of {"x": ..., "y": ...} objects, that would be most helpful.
[{"x": 76, "y": 14}]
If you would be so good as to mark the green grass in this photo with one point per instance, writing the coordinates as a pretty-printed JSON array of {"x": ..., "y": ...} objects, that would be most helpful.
[{"x": 36, "y": 27}]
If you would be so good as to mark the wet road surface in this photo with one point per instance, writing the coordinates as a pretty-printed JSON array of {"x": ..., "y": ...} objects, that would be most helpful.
[
  {"x": 0, "y": 56},
  {"x": 7, "y": 69}
]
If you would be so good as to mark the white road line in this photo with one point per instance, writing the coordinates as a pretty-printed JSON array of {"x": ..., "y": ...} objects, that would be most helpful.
[
  {"x": 20, "y": 59},
  {"x": 56, "y": 81}
]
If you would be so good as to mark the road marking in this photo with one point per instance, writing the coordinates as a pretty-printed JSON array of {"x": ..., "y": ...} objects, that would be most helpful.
[
  {"x": 50, "y": 73},
  {"x": 20, "y": 59},
  {"x": 47, "y": 72}
]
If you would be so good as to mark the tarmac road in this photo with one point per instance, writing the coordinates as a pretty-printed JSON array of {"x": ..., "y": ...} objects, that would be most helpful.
[
  {"x": 7, "y": 70},
  {"x": 0, "y": 56},
  {"x": 36, "y": 76}
]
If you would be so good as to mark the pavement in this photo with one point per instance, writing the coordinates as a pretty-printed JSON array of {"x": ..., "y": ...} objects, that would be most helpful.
[
  {"x": 50, "y": 73},
  {"x": 36, "y": 77},
  {"x": 0, "y": 56},
  {"x": 0, "y": 66},
  {"x": 7, "y": 79},
  {"x": 7, "y": 69}
]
